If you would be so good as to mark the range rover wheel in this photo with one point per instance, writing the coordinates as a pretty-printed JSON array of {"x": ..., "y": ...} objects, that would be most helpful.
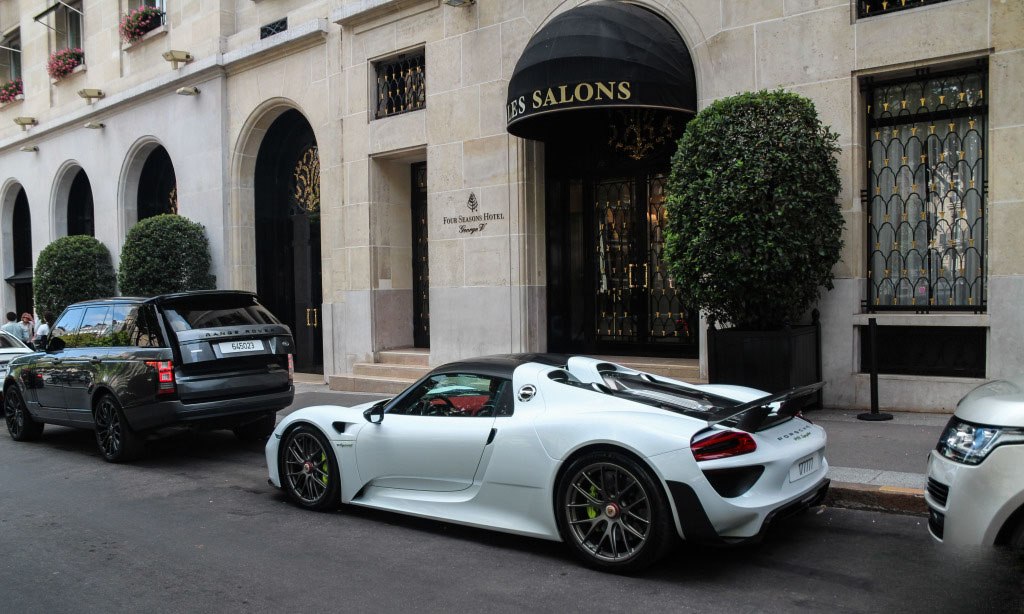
[
  {"x": 20, "y": 424},
  {"x": 257, "y": 430},
  {"x": 116, "y": 440},
  {"x": 612, "y": 513},
  {"x": 309, "y": 472}
]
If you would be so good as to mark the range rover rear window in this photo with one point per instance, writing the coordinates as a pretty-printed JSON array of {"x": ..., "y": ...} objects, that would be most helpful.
[{"x": 212, "y": 311}]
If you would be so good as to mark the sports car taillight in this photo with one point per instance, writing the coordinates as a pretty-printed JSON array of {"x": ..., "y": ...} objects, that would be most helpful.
[{"x": 722, "y": 445}]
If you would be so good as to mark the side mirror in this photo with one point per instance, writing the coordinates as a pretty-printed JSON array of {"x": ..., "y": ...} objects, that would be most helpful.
[
  {"x": 54, "y": 344},
  {"x": 375, "y": 414}
]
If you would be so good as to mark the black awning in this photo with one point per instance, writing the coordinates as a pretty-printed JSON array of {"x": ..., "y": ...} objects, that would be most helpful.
[
  {"x": 24, "y": 276},
  {"x": 601, "y": 55}
]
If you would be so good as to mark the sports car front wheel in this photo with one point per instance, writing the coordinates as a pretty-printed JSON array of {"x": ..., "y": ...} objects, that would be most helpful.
[
  {"x": 613, "y": 513},
  {"x": 309, "y": 473}
]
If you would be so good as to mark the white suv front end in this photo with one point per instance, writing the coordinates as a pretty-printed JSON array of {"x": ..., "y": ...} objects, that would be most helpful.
[{"x": 975, "y": 489}]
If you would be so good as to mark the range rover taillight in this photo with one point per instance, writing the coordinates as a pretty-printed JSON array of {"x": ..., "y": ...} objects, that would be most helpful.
[
  {"x": 164, "y": 375},
  {"x": 291, "y": 369}
]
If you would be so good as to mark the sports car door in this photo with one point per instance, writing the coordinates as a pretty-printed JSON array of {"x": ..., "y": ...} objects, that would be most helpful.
[{"x": 433, "y": 437}]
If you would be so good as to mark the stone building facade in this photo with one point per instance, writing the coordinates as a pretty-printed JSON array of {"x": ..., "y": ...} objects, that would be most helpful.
[{"x": 352, "y": 97}]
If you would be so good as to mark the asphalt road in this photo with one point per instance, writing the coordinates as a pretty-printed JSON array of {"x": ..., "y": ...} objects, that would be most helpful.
[{"x": 195, "y": 527}]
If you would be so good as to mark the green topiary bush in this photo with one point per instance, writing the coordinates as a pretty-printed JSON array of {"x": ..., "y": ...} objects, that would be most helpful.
[
  {"x": 163, "y": 254},
  {"x": 69, "y": 270},
  {"x": 754, "y": 226}
]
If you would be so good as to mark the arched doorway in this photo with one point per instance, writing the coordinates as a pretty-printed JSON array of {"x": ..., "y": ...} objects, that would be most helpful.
[
  {"x": 21, "y": 253},
  {"x": 80, "y": 209},
  {"x": 287, "y": 211},
  {"x": 608, "y": 87},
  {"x": 158, "y": 191}
]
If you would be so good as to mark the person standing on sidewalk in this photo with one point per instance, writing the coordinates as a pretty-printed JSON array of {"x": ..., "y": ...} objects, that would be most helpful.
[
  {"x": 13, "y": 327},
  {"x": 43, "y": 330},
  {"x": 29, "y": 326}
]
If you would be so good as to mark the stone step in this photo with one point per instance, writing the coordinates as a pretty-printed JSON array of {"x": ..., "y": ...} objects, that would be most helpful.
[
  {"x": 405, "y": 356},
  {"x": 349, "y": 382},
  {"x": 392, "y": 370}
]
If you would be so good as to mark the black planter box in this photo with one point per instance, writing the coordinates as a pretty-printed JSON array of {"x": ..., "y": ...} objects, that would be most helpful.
[{"x": 769, "y": 360}]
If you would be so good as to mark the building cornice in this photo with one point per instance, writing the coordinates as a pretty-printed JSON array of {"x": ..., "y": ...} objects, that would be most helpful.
[
  {"x": 290, "y": 41},
  {"x": 365, "y": 10}
]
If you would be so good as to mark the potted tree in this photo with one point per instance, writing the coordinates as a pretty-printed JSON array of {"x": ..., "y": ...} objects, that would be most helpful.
[{"x": 754, "y": 232}]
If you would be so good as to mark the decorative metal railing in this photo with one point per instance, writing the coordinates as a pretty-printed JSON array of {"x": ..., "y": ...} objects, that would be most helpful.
[
  {"x": 401, "y": 85},
  {"x": 870, "y": 8},
  {"x": 927, "y": 191},
  {"x": 274, "y": 27}
]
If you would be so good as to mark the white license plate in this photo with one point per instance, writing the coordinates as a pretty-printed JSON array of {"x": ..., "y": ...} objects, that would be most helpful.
[
  {"x": 803, "y": 468},
  {"x": 231, "y": 347}
]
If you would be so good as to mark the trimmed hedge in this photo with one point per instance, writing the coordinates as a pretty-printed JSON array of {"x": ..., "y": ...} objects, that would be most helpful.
[
  {"x": 754, "y": 226},
  {"x": 163, "y": 254},
  {"x": 69, "y": 270}
]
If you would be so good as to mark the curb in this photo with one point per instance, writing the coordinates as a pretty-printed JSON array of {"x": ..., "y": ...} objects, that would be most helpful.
[{"x": 879, "y": 498}]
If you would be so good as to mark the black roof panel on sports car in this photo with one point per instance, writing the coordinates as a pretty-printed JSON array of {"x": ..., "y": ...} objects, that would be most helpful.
[{"x": 500, "y": 365}]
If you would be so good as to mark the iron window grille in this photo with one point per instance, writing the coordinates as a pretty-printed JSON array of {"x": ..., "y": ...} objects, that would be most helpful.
[
  {"x": 401, "y": 85},
  {"x": 870, "y": 8},
  {"x": 927, "y": 192},
  {"x": 274, "y": 27}
]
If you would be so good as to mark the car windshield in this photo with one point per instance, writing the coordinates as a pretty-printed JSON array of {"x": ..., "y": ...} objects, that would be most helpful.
[
  {"x": 212, "y": 311},
  {"x": 8, "y": 342}
]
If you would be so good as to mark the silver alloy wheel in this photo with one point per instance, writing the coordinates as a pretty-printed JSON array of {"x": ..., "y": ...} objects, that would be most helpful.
[
  {"x": 608, "y": 512},
  {"x": 108, "y": 428},
  {"x": 14, "y": 414},
  {"x": 306, "y": 467}
]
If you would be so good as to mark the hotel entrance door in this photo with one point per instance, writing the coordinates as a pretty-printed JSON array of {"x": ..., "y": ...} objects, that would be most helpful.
[{"x": 609, "y": 291}]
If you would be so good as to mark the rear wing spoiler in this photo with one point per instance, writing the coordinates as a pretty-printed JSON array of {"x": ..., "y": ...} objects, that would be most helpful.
[{"x": 750, "y": 415}]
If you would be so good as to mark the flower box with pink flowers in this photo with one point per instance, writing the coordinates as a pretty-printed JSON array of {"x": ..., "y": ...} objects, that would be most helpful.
[
  {"x": 63, "y": 63},
  {"x": 135, "y": 24},
  {"x": 11, "y": 91}
]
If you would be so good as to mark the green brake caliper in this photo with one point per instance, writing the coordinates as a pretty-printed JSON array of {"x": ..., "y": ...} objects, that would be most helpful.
[
  {"x": 591, "y": 510},
  {"x": 323, "y": 459}
]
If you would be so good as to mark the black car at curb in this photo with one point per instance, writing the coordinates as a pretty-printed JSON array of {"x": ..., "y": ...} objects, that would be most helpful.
[{"x": 126, "y": 366}]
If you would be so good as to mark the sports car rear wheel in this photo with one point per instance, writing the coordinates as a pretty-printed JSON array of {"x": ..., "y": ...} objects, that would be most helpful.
[
  {"x": 613, "y": 513},
  {"x": 309, "y": 473}
]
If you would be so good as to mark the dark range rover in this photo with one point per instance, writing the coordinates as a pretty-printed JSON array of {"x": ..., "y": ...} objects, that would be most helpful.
[{"x": 126, "y": 366}]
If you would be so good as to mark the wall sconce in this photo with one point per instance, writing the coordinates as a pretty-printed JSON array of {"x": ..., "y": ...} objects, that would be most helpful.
[
  {"x": 25, "y": 122},
  {"x": 91, "y": 95},
  {"x": 175, "y": 57},
  {"x": 30, "y": 148},
  {"x": 460, "y": 3},
  {"x": 93, "y": 125},
  {"x": 187, "y": 91}
]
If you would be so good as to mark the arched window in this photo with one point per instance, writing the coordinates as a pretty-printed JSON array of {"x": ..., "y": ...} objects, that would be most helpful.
[
  {"x": 80, "y": 209},
  {"x": 158, "y": 191}
]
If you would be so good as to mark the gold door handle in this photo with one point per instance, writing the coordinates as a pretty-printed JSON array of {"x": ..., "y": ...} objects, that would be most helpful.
[
  {"x": 316, "y": 317},
  {"x": 631, "y": 275},
  {"x": 308, "y": 323},
  {"x": 647, "y": 276}
]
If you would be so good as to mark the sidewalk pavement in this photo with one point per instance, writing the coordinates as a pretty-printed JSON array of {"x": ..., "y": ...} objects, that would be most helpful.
[
  {"x": 873, "y": 465},
  {"x": 879, "y": 465}
]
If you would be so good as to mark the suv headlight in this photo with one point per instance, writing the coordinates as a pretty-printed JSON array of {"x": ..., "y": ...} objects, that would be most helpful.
[{"x": 968, "y": 443}]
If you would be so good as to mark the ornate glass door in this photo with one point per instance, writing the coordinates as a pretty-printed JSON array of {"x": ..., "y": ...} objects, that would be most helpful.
[
  {"x": 420, "y": 263},
  {"x": 609, "y": 287}
]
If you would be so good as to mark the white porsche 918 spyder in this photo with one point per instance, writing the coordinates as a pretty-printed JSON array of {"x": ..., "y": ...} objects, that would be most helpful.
[{"x": 614, "y": 461}]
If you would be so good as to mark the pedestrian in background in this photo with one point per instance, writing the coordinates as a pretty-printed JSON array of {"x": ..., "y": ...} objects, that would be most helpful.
[
  {"x": 29, "y": 326},
  {"x": 44, "y": 329},
  {"x": 13, "y": 327}
]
